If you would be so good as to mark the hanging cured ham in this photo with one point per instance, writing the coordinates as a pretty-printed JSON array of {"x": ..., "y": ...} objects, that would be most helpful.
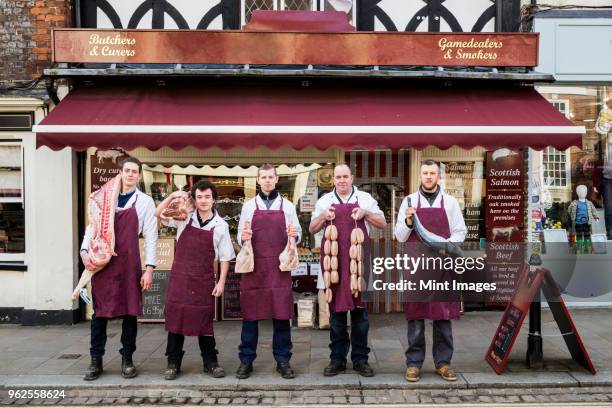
[{"x": 101, "y": 210}]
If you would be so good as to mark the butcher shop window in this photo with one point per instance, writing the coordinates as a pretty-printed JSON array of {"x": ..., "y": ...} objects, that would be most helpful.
[
  {"x": 248, "y": 6},
  {"x": 12, "y": 224}
]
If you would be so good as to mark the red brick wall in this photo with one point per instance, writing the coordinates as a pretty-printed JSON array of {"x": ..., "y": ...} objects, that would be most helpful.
[{"x": 25, "y": 34}]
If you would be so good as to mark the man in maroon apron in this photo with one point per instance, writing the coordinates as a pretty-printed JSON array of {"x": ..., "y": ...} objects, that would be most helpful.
[
  {"x": 117, "y": 288},
  {"x": 191, "y": 295},
  {"x": 266, "y": 293},
  {"x": 347, "y": 207},
  {"x": 440, "y": 214}
]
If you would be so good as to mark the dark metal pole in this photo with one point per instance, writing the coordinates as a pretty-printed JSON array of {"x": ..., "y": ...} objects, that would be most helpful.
[
  {"x": 499, "y": 15},
  {"x": 534, "y": 340}
]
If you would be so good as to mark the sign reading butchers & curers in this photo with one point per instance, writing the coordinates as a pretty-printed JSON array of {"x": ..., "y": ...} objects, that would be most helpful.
[{"x": 252, "y": 47}]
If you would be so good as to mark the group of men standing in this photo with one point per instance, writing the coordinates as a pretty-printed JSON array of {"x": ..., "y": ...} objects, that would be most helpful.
[{"x": 267, "y": 220}]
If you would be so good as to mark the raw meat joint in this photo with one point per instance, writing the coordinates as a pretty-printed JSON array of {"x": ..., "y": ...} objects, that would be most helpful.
[
  {"x": 245, "y": 262},
  {"x": 179, "y": 208},
  {"x": 101, "y": 209},
  {"x": 289, "y": 257}
]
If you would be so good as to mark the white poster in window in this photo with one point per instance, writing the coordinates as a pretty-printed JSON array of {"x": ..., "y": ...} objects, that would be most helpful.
[
  {"x": 309, "y": 199},
  {"x": 301, "y": 270}
]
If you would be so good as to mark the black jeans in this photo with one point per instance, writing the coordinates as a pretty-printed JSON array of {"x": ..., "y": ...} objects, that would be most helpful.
[
  {"x": 607, "y": 198},
  {"x": 281, "y": 341},
  {"x": 129, "y": 330},
  {"x": 208, "y": 350},
  {"x": 442, "y": 343},
  {"x": 340, "y": 342}
]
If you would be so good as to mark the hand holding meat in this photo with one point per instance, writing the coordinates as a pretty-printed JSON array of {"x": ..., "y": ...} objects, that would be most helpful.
[
  {"x": 291, "y": 231},
  {"x": 358, "y": 213},
  {"x": 247, "y": 232},
  {"x": 330, "y": 214},
  {"x": 101, "y": 208},
  {"x": 288, "y": 259},
  {"x": 179, "y": 208},
  {"x": 409, "y": 213}
]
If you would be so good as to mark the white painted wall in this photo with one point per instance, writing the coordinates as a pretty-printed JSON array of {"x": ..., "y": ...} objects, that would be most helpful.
[
  {"x": 50, "y": 223},
  {"x": 51, "y": 242}
]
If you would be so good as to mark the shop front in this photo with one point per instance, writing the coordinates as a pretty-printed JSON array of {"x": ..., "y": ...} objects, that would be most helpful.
[{"x": 382, "y": 123}]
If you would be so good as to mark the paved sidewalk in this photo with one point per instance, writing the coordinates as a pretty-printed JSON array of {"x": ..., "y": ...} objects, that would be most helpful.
[{"x": 44, "y": 357}]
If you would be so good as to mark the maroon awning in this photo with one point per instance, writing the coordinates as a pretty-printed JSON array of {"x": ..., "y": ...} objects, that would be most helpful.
[
  {"x": 298, "y": 21},
  {"x": 272, "y": 116}
]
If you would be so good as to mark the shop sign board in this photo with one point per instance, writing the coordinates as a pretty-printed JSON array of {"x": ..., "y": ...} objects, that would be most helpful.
[
  {"x": 154, "y": 299},
  {"x": 528, "y": 287},
  {"x": 332, "y": 48}
]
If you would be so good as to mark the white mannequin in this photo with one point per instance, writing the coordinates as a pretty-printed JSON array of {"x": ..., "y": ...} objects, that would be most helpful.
[{"x": 581, "y": 191}]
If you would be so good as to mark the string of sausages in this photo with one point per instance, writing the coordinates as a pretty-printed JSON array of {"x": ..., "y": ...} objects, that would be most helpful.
[{"x": 330, "y": 260}]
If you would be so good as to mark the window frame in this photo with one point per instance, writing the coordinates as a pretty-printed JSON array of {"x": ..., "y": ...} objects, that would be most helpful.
[{"x": 17, "y": 256}]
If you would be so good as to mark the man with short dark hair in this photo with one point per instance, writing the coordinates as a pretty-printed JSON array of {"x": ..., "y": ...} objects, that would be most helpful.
[
  {"x": 440, "y": 214},
  {"x": 202, "y": 238},
  {"x": 117, "y": 288}
]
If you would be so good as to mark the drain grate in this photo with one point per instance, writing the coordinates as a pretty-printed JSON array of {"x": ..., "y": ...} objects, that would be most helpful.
[{"x": 69, "y": 357}]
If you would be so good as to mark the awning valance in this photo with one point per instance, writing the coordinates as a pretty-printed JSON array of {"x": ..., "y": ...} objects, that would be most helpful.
[{"x": 250, "y": 116}]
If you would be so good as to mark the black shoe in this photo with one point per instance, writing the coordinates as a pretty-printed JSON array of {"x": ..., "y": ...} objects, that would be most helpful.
[
  {"x": 94, "y": 370},
  {"x": 127, "y": 368},
  {"x": 285, "y": 370},
  {"x": 244, "y": 371},
  {"x": 363, "y": 369},
  {"x": 334, "y": 368},
  {"x": 173, "y": 370},
  {"x": 214, "y": 369}
]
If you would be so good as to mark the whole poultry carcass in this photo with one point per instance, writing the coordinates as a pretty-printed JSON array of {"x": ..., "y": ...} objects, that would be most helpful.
[
  {"x": 179, "y": 208},
  {"x": 101, "y": 210},
  {"x": 289, "y": 259}
]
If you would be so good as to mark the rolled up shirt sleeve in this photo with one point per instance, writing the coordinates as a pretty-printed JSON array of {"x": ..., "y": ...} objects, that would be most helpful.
[
  {"x": 402, "y": 231},
  {"x": 225, "y": 249},
  {"x": 87, "y": 237},
  {"x": 149, "y": 231},
  {"x": 456, "y": 222}
]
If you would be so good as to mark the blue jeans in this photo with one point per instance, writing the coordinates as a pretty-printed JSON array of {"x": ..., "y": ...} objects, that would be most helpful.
[
  {"x": 129, "y": 330},
  {"x": 340, "y": 342},
  {"x": 281, "y": 341},
  {"x": 442, "y": 343}
]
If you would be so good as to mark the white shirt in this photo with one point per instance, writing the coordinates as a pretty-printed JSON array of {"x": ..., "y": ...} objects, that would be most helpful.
[
  {"x": 458, "y": 230},
  {"x": 147, "y": 225},
  {"x": 224, "y": 250},
  {"x": 363, "y": 198},
  {"x": 248, "y": 209}
]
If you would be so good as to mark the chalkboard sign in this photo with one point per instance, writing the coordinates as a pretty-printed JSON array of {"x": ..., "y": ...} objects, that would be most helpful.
[
  {"x": 529, "y": 284},
  {"x": 230, "y": 302},
  {"x": 510, "y": 325},
  {"x": 153, "y": 300}
]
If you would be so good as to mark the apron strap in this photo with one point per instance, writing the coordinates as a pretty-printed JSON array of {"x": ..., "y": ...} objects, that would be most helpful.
[
  {"x": 418, "y": 200},
  {"x": 441, "y": 200},
  {"x": 281, "y": 198},
  {"x": 256, "y": 205},
  {"x": 135, "y": 199}
]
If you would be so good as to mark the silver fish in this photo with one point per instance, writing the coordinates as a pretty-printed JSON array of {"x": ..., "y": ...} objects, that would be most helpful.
[{"x": 432, "y": 240}]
